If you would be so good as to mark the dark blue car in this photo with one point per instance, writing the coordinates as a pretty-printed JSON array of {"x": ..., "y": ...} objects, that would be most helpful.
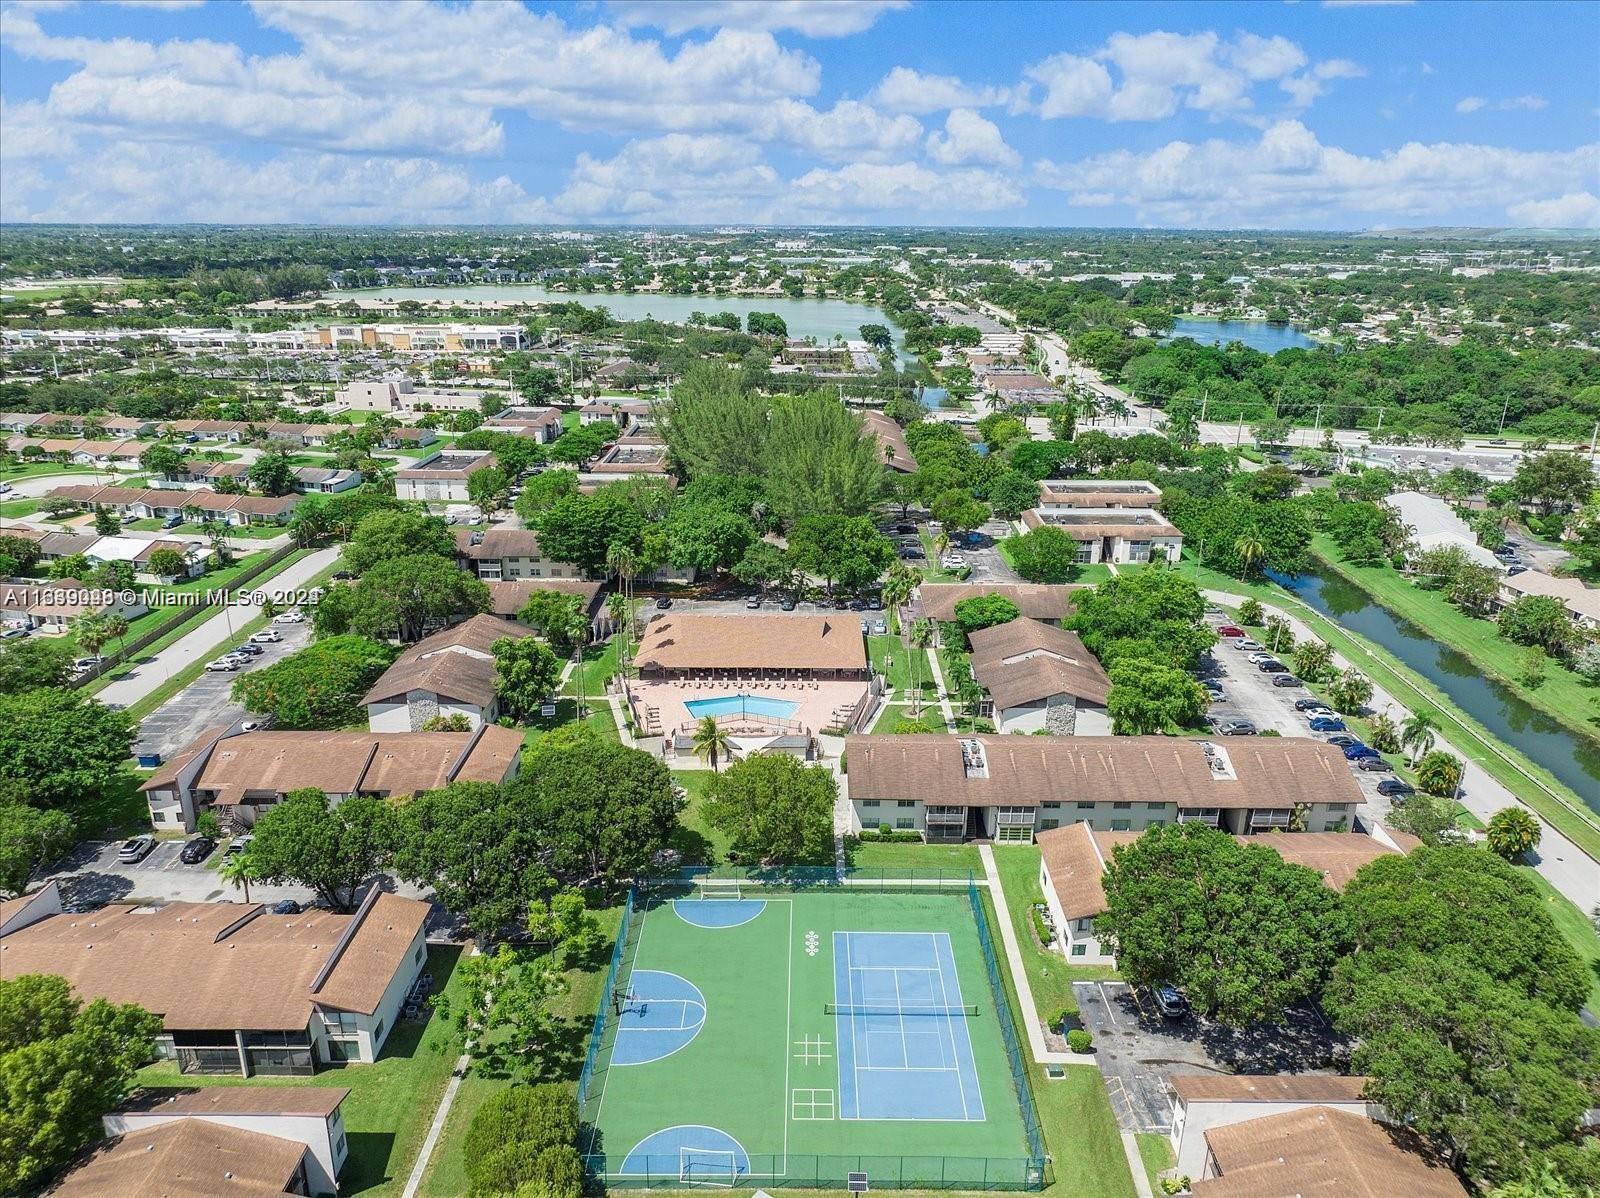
[
  {"x": 1327, "y": 724},
  {"x": 1357, "y": 750}
]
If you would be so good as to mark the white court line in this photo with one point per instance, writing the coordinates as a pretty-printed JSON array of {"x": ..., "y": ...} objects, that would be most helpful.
[
  {"x": 788, "y": 1026},
  {"x": 949, "y": 1027},
  {"x": 905, "y": 1049},
  {"x": 972, "y": 1049}
]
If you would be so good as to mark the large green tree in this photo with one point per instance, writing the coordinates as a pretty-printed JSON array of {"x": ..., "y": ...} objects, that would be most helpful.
[
  {"x": 30, "y": 837},
  {"x": 385, "y": 535},
  {"x": 1243, "y": 932},
  {"x": 398, "y": 597},
  {"x": 1156, "y": 606},
  {"x": 63, "y": 1064},
  {"x": 1148, "y": 697},
  {"x": 1044, "y": 554},
  {"x": 321, "y": 686},
  {"x": 774, "y": 809},
  {"x": 63, "y": 748},
  {"x": 847, "y": 550},
  {"x": 526, "y": 674},
  {"x": 333, "y": 849},
  {"x": 32, "y": 662}
]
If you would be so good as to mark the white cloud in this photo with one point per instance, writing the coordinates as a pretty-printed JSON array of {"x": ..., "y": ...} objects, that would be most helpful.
[
  {"x": 1529, "y": 103},
  {"x": 678, "y": 177},
  {"x": 848, "y": 130},
  {"x": 907, "y": 90},
  {"x": 813, "y": 18},
  {"x": 1149, "y": 76},
  {"x": 30, "y": 132},
  {"x": 1575, "y": 210},
  {"x": 968, "y": 137},
  {"x": 865, "y": 189},
  {"x": 1287, "y": 178}
]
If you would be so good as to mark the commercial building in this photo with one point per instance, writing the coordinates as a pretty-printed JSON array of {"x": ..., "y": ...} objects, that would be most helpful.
[
  {"x": 1007, "y": 788},
  {"x": 402, "y": 395},
  {"x": 239, "y": 989}
]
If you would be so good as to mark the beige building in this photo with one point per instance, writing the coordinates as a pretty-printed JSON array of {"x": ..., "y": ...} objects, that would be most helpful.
[
  {"x": 508, "y": 554},
  {"x": 449, "y": 673},
  {"x": 1119, "y": 535},
  {"x": 442, "y": 475},
  {"x": 1040, "y": 678},
  {"x": 419, "y": 338},
  {"x": 1007, "y": 788},
  {"x": 402, "y": 395}
]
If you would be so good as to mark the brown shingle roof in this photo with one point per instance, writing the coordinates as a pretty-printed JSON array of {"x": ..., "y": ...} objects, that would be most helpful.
[
  {"x": 510, "y": 597},
  {"x": 1272, "y": 1087},
  {"x": 1322, "y": 1153},
  {"x": 181, "y": 962},
  {"x": 497, "y": 543},
  {"x": 1026, "y": 660},
  {"x": 457, "y": 662},
  {"x": 1075, "y": 858},
  {"x": 889, "y": 436},
  {"x": 188, "y": 1158},
  {"x": 776, "y": 642},
  {"x": 1037, "y": 601},
  {"x": 320, "y": 1101},
  {"x": 1272, "y": 772}
]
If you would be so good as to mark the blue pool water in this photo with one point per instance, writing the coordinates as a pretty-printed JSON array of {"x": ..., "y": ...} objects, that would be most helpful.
[{"x": 741, "y": 705}]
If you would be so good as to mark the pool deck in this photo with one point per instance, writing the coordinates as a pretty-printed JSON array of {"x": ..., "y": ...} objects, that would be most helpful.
[{"x": 661, "y": 707}]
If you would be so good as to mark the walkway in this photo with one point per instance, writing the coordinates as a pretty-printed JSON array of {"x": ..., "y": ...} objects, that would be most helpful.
[
  {"x": 436, "y": 1128},
  {"x": 209, "y": 634},
  {"x": 1563, "y": 864},
  {"x": 945, "y": 709}
]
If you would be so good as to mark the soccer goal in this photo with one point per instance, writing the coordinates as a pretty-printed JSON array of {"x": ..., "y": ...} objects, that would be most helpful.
[
  {"x": 715, "y": 888},
  {"x": 708, "y": 1167}
]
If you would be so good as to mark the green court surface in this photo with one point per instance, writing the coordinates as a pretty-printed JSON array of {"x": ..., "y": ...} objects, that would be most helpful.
[{"x": 791, "y": 1037}]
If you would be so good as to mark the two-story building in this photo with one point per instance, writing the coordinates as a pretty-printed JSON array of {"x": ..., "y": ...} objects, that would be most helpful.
[
  {"x": 1039, "y": 678},
  {"x": 442, "y": 475},
  {"x": 508, "y": 554},
  {"x": 447, "y": 674},
  {"x": 1007, "y": 788}
]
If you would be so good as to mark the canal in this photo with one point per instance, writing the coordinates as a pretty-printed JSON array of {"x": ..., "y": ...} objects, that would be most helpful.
[{"x": 1573, "y": 759}]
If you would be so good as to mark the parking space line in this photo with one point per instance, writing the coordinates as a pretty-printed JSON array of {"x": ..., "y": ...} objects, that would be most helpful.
[{"x": 1106, "y": 999}]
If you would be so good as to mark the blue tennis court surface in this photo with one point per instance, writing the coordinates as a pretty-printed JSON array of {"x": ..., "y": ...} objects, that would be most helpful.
[{"x": 905, "y": 1051}]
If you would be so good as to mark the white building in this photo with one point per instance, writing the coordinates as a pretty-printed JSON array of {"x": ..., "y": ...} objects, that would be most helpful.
[
  {"x": 1433, "y": 524},
  {"x": 442, "y": 475}
]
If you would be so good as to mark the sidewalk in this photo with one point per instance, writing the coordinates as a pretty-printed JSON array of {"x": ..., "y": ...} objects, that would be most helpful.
[
  {"x": 1563, "y": 864},
  {"x": 199, "y": 642}
]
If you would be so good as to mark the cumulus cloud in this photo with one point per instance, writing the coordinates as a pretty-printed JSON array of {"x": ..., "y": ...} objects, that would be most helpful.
[
  {"x": 1575, "y": 210},
  {"x": 865, "y": 189},
  {"x": 907, "y": 90},
  {"x": 968, "y": 137},
  {"x": 1529, "y": 103},
  {"x": 674, "y": 178},
  {"x": 813, "y": 18},
  {"x": 1288, "y": 178},
  {"x": 1149, "y": 76}
]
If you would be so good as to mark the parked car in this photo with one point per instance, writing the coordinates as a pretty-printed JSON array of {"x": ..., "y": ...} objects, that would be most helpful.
[
  {"x": 237, "y": 846},
  {"x": 1396, "y": 788},
  {"x": 880, "y": 628},
  {"x": 84, "y": 664},
  {"x": 1344, "y": 739},
  {"x": 1235, "y": 728},
  {"x": 1517, "y": 569},
  {"x": 1326, "y": 723},
  {"x": 1358, "y": 750},
  {"x": 223, "y": 665},
  {"x": 1272, "y": 666},
  {"x": 905, "y": 528},
  {"x": 788, "y": 603},
  {"x": 753, "y": 602},
  {"x": 1212, "y": 685},
  {"x": 1170, "y": 1001},
  {"x": 1247, "y": 644},
  {"x": 875, "y": 602},
  {"x": 1287, "y": 680},
  {"x": 857, "y": 604},
  {"x": 136, "y": 849},
  {"x": 1256, "y": 659},
  {"x": 286, "y": 907},
  {"x": 197, "y": 850},
  {"x": 1310, "y": 704},
  {"x": 1230, "y": 630},
  {"x": 1374, "y": 765},
  {"x": 289, "y": 617},
  {"x": 664, "y": 602},
  {"x": 172, "y": 522},
  {"x": 269, "y": 636},
  {"x": 13, "y": 632},
  {"x": 248, "y": 650}
]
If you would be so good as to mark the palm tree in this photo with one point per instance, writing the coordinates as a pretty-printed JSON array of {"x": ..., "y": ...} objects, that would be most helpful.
[
  {"x": 1383, "y": 732},
  {"x": 898, "y": 587},
  {"x": 921, "y": 634},
  {"x": 1250, "y": 550},
  {"x": 240, "y": 870},
  {"x": 711, "y": 742},
  {"x": 1416, "y": 735},
  {"x": 622, "y": 561},
  {"x": 116, "y": 629}
]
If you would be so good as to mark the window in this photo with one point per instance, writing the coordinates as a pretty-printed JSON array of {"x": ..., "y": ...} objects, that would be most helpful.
[
  {"x": 1084, "y": 924},
  {"x": 1121, "y": 825},
  {"x": 1051, "y": 806},
  {"x": 341, "y": 1023},
  {"x": 338, "y": 1146},
  {"x": 1046, "y": 824},
  {"x": 1122, "y": 806},
  {"x": 422, "y": 951},
  {"x": 1080, "y": 950},
  {"x": 1154, "y": 806},
  {"x": 1085, "y": 806},
  {"x": 905, "y": 821},
  {"x": 869, "y": 802},
  {"x": 907, "y": 802},
  {"x": 377, "y": 1032}
]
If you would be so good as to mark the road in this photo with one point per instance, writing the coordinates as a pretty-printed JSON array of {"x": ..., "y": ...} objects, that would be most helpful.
[
  {"x": 202, "y": 641},
  {"x": 1563, "y": 864}
]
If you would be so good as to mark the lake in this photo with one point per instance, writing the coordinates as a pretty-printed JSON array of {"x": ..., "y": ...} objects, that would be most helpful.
[
  {"x": 822, "y": 319},
  {"x": 1573, "y": 759},
  {"x": 1257, "y": 334}
]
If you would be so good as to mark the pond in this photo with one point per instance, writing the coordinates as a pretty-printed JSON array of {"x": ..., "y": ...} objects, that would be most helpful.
[
  {"x": 1260, "y": 335},
  {"x": 1573, "y": 759},
  {"x": 822, "y": 319}
]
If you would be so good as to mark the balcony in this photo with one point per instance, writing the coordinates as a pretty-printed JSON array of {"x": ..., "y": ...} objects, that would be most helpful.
[
  {"x": 946, "y": 816},
  {"x": 1017, "y": 818},
  {"x": 1266, "y": 821}
]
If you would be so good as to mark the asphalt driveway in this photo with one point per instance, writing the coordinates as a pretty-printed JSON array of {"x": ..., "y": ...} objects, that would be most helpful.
[{"x": 1137, "y": 1050}]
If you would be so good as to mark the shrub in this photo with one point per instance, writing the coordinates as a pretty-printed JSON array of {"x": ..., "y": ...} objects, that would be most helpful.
[
  {"x": 208, "y": 824},
  {"x": 1250, "y": 612},
  {"x": 512, "y": 1135},
  {"x": 1079, "y": 1040},
  {"x": 1041, "y": 929}
]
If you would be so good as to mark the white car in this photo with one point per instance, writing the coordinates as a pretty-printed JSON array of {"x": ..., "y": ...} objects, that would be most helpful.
[
  {"x": 1246, "y": 643},
  {"x": 270, "y": 636},
  {"x": 223, "y": 665},
  {"x": 289, "y": 617},
  {"x": 1256, "y": 659}
]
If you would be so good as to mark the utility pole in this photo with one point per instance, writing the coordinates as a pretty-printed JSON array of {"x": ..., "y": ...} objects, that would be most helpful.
[
  {"x": 1205, "y": 398},
  {"x": 1504, "y": 405}
]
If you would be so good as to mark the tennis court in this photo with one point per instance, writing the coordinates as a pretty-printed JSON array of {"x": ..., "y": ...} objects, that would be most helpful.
[{"x": 763, "y": 1036}]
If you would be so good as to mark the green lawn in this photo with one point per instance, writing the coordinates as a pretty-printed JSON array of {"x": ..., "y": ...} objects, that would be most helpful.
[
  {"x": 913, "y": 859},
  {"x": 599, "y": 718},
  {"x": 599, "y": 664},
  {"x": 391, "y": 1101},
  {"x": 1575, "y": 928},
  {"x": 13, "y": 509},
  {"x": 899, "y": 657},
  {"x": 698, "y": 841},
  {"x": 1050, "y": 976},
  {"x": 446, "y": 1176},
  {"x": 36, "y": 469},
  {"x": 896, "y": 717},
  {"x": 1564, "y": 695},
  {"x": 1080, "y": 1129},
  {"x": 1531, "y": 783},
  {"x": 1156, "y": 1153}
]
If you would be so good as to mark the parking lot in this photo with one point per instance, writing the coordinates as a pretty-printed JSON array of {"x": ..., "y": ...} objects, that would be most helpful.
[
  {"x": 92, "y": 875},
  {"x": 207, "y": 700},
  {"x": 1137, "y": 1049}
]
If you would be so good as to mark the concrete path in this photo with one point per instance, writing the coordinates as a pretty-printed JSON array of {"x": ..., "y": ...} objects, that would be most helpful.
[
  {"x": 436, "y": 1128},
  {"x": 1561, "y": 862},
  {"x": 945, "y": 709},
  {"x": 201, "y": 641}
]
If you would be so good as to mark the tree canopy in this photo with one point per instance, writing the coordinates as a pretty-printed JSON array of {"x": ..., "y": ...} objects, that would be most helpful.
[
  {"x": 321, "y": 686},
  {"x": 774, "y": 809},
  {"x": 333, "y": 849}
]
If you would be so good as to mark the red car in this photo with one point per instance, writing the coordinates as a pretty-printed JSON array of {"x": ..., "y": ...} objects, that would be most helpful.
[{"x": 1230, "y": 631}]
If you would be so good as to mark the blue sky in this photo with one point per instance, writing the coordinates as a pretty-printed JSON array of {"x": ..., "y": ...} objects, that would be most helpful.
[{"x": 1266, "y": 115}]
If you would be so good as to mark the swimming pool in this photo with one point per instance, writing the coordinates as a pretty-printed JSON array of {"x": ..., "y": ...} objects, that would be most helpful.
[{"x": 782, "y": 709}]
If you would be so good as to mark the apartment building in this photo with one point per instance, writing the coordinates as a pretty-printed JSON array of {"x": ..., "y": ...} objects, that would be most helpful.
[
  {"x": 419, "y": 338},
  {"x": 402, "y": 395},
  {"x": 442, "y": 475},
  {"x": 507, "y": 554},
  {"x": 1008, "y": 788},
  {"x": 1119, "y": 535},
  {"x": 447, "y": 674},
  {"x": 1040, "y": 678},
  {"x": 1096, "y": 494}
]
